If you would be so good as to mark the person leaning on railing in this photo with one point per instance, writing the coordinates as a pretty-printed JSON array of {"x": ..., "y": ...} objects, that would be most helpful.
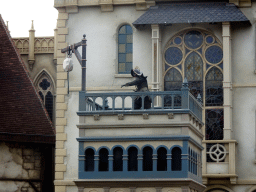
[{"x": 141, "y": 84}]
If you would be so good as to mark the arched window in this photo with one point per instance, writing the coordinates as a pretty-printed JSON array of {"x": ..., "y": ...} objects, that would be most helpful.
[
  {"x": 132, "y": 159},
  {"x": 45, "y": 88},
  {"x": 103, "y": 159},
  {"x": 162, "y": 159},
  {"x": 89, "y": 160},
  {"x": 147, "y": 159},
  {"x": 176, "y": 159},
  {"x": 198, "y": 56},
  {"x": 118, "y": 159},
  {"x": 125, "y": 49}
]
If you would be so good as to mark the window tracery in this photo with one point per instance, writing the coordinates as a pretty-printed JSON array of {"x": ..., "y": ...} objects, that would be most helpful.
[
  {"x": 198, "y": 56},
  {"x": 44, "y": 86}
]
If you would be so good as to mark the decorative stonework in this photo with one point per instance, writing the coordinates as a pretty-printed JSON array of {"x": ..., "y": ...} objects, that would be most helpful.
[{"x": 42, "y": 45}]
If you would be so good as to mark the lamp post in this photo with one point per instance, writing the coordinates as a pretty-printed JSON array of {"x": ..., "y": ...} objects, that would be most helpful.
[{"x": 81, "y": 60}]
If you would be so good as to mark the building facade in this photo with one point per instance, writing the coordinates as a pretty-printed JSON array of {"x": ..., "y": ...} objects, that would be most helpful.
[{"x": 211, "y": 44}]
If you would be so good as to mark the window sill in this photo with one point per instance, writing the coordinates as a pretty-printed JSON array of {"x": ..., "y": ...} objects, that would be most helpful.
[{"x": 123, "y": 76}]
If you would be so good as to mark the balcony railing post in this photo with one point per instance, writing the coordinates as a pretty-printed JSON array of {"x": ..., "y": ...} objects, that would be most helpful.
[
  {"x": 185, "y": 95},
  {"x": 82, "y": 102}
]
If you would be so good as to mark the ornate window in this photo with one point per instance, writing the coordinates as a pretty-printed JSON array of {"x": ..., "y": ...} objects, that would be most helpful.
[
  {"x": 132, "y": 159},
  {"x": 198, "y": 56},
  {"x": 45, "y": 89},
  {"x": 147, "y": 159},
  {"x": 125, "y": 49},
  {"x": 89, "y": 160}
]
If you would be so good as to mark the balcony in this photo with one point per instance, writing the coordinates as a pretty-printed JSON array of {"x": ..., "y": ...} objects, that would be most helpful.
[
  {"x": 172, "y": 125},
  {"x": 168, "y": 102},
  {"x": 219, "y": 157}
]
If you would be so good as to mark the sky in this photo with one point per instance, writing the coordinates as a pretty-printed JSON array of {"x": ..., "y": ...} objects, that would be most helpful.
[{"x": 19, "y": 13}]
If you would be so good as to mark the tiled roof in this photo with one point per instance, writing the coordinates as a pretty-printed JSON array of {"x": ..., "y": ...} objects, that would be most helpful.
[
  {"x": 191, "y": 13},
  {"x": 22, "y": 114}
]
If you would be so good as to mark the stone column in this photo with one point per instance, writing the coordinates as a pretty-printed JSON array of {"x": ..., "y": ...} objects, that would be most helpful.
[
  {"x": 31, "y": 54},
  {"x": 227, "y": 81},
  {"x": 55, "y": 46},
  {"x": 156, "y": 61}
]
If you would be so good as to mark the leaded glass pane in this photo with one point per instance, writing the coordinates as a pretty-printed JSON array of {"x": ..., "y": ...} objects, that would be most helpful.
[
  {"x": 128, "y": 29},
  {"x": 122, "y": 30},
  {"x": 177, "y": 40},
  {"x": 129, "y": 57},
  {"x": 173, "y": 55},
  {"x": 125, "y": 49},
  {"x": 214, "y": 124},
  {"x": 41, "y": 95},
  {"x": 49, "y": 103},
  {"x": 44, "y": 84},
  {"x": 129, "y": 48},
  {"x": 129, "y": 39},
  {"x": 121, "y": 67},
  {"x": 209, "y": 39},
  {"x": 196, "y": 87},
  {"x": 173, "y": 80},
  {"x": 121, "y": 48},
  {"x": 193, "y": 39},
  {"x": 214, "y": 88},
  {"x": 213, "y": 54},
  {"x": 194, "y": 67}
]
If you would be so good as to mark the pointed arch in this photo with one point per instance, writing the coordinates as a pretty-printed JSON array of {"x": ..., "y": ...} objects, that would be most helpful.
[{"x": 46, "y": 88}]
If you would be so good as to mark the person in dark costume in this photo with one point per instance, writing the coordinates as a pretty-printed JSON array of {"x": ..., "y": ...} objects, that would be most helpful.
[{"x": 141, "y": 84}]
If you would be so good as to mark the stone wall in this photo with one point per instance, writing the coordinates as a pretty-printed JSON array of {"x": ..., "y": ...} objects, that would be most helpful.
[{"x": 20, "y": 167}]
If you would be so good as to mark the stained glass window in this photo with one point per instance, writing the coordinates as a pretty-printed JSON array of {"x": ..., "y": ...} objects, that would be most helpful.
[
  {"x": 213, "y": 87},
  {"x": 214, "y": 124},
  {"x": 214, "y": 54},
  {"x": 193, "y": 39},
  {"x": 173, "y": 55},
  {"x": 45, "y": 90},
  {"x": 198, "y": 56},
  {"x": 125, "y": 49}
]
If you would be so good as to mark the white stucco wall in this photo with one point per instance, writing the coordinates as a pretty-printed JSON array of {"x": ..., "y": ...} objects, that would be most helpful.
[{"x": 101, "y": 29}]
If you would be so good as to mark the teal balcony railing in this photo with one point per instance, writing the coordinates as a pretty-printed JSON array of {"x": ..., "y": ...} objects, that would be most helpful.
[{"x": 167, "y": 102}]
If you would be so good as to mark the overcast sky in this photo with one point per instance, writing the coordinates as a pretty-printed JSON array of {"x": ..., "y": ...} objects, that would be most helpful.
[{"x": 19, "y": 13}]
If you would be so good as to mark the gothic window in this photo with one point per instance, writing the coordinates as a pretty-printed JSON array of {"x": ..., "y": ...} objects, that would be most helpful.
[
  {"x": 198, "y": 56},
  {"x": 103, "y": 159},
  {"x": 89, "y": 160},
  {"x": 125, "y": 49},
  {"x": 45, "y": 89},
  {"x": 162, "y": 159},
  {"x": 176, "y": 159},
  {"x": 147, "y": 159},
  {"x": 118, "y": 159},
  {"x": 132, "y": 159}
]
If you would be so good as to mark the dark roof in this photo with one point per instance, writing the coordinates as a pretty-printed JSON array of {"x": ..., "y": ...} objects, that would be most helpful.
[
  {"x": 23, "y": 117},
  {"x": 191, "y": 13}
]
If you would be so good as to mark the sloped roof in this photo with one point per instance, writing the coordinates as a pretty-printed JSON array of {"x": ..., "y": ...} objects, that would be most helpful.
[
  {"x": 23, "y": 117},
  {"x": 191, "y": 13}
]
